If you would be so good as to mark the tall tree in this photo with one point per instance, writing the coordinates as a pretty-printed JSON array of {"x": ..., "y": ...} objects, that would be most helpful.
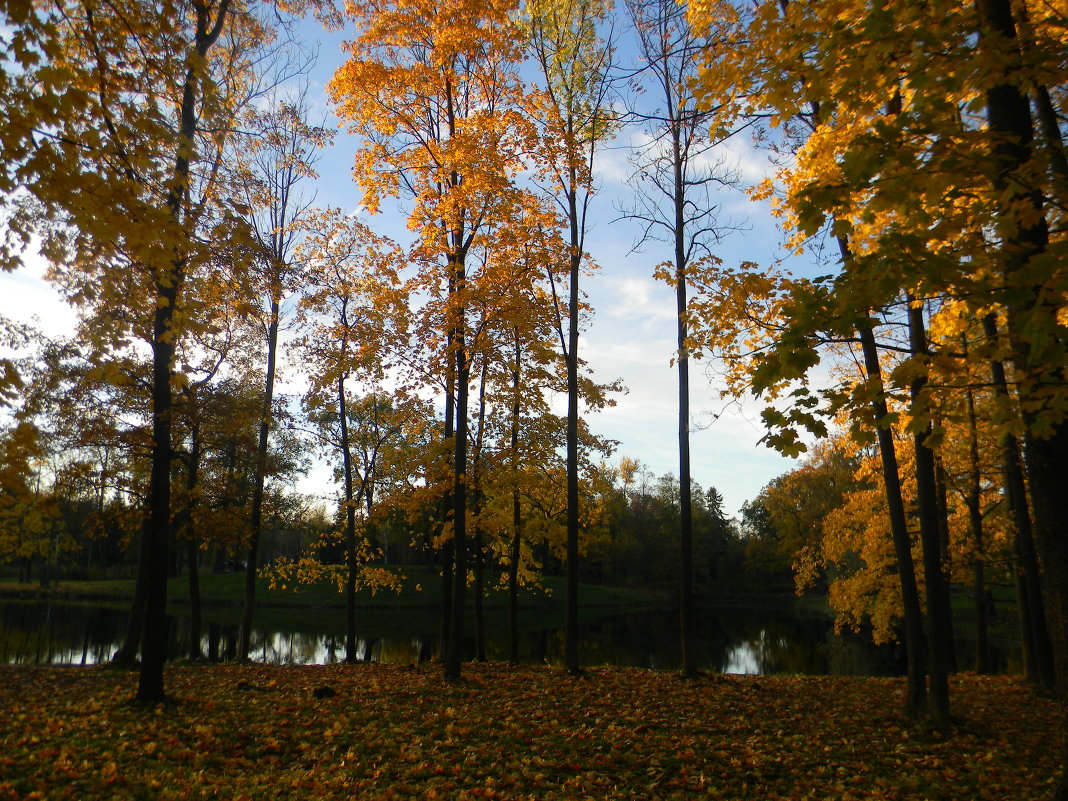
[
  {"x": 936, "y": 580},
  {"x": 1040, "y": 347},
  {"x": 154, "y": 93},
  {"x": 1038, "y": 657},
  {"x": 574, "y": 59},
  {"x": 674, "y": 204},
  {"x": 884, "y": 167},
  {"x": 433, "y": 89},
  {"x": 284, "y": 154},
  {"x": 351, "y": 312}
]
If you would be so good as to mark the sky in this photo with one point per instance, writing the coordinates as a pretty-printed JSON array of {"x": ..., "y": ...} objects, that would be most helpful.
[{"x": 632, "y": 333}]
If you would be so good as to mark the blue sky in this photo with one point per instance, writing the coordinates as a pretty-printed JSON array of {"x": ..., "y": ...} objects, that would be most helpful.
[{"x": 632, "y": 335}]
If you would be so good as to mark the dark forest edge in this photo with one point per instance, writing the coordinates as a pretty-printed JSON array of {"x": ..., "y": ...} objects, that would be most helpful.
[{"x": 419, "y": 589}]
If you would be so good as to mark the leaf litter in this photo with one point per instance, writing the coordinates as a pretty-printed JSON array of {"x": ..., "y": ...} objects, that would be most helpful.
[{"x": 393, "y": 732}]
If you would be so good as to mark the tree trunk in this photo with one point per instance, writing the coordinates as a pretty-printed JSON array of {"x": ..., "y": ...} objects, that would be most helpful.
[
  {"x": 454, "y": 660},
  {"x": 126, "y": 656},
  {"x": 351, "y": 656},
  {"x": 939, "y": 622},
  {"x": 1045, "y": 111},
  {"x": 916, "y": 692},
  {"x": 973, "y": 501},
  {"x": 1025, "y": 237},
  {"x": 448, "y": 565},
  {"x": 168, "y": 286},
  {"x": 480, "y": 590},
  {"x": 1047, "y": 468},
  {"x": 513, "y": 580},
  {"x": 195, "y": 612},
  {"x": 1038, "y": 653},
  {"x": 1051, "y": 132},
  {"x": 686, "y": 612},
  {"x": 476, "y": 488},
  {"x": 256, "y": 513},
  {"x": 189, "y": 524},
  {"x": 448, "y": 559},
  {"x": 154, "y": 636},
  {"x": 517, "y": 515},
  {"x": 462, "y": 370},
  {"x": 571, "y": 644}
]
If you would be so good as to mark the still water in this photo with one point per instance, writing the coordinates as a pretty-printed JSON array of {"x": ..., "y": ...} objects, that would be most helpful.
[{"x": 730, "y": 640}]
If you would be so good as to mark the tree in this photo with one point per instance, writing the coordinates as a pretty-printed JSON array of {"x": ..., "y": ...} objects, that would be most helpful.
[
  {"x": 350, "y": 313},
  {"x": 574, "y": 61},
  {"x": 146, "y": 119},
  {"x": 28, "y": 516},
  {"x": 1023, "y": 258},
  {"x": 283, "y": 157},
  {"x": 433, "y": 89},
  {"x": 784, "y": 524},
  {"x": 675, "y": 205},
  {"x": 886, "y": 167}
]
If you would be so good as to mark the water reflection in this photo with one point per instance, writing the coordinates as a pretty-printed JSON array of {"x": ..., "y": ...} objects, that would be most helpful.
[{"x": 729, "y": 640}]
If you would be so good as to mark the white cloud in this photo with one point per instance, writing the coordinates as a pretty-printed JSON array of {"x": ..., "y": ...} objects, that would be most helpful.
[
  {"x": 740, "y": 156},
  {"x": 635, "y": 299},
  {"x": 26, "y": 297},
  {"x": 612, "y": 166}
]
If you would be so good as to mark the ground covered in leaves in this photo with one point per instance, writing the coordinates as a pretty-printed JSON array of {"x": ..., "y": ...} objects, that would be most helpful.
[{"x": 256, "y": 732}]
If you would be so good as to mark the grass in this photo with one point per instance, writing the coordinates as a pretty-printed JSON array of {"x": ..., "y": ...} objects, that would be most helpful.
[{"x": 254, "y": 733}]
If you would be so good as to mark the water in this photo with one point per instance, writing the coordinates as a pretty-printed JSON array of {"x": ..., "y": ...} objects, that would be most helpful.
[{"x": 729, "y": 640}]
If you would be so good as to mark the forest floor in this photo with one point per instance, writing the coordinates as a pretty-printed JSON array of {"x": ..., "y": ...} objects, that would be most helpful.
[{"x": 379, "y": 731}]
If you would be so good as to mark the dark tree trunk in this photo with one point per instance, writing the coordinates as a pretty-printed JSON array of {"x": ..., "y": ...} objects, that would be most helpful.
[
  {"x": 942, "y": 506},
  {"x": 517, "y": 515},
  {"x": 686, "y": 612},
  {"x": 154, "y": 636},
  {"x": 1045, "y": 111},
  {"x": 462, "y": 372},
  {"x": 939, "y": 622},
  {"x": 571, "y": 642},
  {"x": 1047, "y": 468},
  {"x": 454, "y": 660},
  {"x": 480, "y": 590},
  {"x": 213, "y": 642},
  {"x": 256, "y": 513},
  {"x": 153, "y": 652},
  {"x": 1037, "y": 651},
  {"x": 448, "y": 552},
  {"x": 476, "y": 491},
  {"x": 513, "y": 580},
  {"x": 126, "y": 656},
  {"x": 351, "y": 560},
  {"x": 1051, "y": 132},
  {"x": 1025, "y": 237},
  {"x": 192, "y": 551},
  {"x": 945, "y": 551},
  {"x": 195, "y": 612},
  {"x": 973, "y": 500},
  {"x": 916, "y": 692},
  {"x": 916, "y": 687},
  {"x": 448, "y": 565}
]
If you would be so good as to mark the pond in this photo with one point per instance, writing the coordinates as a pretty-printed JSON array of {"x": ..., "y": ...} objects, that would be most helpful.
[{"x": 729, "y": 639}]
